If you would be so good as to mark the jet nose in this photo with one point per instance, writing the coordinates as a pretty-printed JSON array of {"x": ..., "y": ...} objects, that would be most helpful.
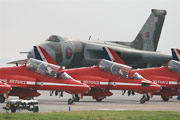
[
  {"x": 85, "y": 87},
  {"x": 155, "y": 87},
  {"x": 150, "y": 86},
  {"x": 4, "y": 88},
  {"x": 82, "y": 88}
]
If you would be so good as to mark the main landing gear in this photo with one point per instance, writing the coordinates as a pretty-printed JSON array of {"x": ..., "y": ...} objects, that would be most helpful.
[
  {"x": 100, "y": 99},
  {"x": 165, "y": 99},
  {"x": 145, "y": 98},
  {"x": 75, "y": 98},
  {"x": 2, "y": 99}
]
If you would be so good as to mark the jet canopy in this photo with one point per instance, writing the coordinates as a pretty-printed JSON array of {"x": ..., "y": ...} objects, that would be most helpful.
[
  {"x": 46, "y": 69},
  {"x": 174, "y": 66},
  {"x": 55, "y": 38},
  {"x": 115, "y": 68}
]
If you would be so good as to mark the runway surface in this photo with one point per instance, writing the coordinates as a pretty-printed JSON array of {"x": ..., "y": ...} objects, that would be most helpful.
[{"x": 53, "y": 103}]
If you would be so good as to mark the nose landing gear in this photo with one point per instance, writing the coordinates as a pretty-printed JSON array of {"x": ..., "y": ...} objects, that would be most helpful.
[
  {"x": 75, "y": 98},
  {"x": 144, "y": 98}
]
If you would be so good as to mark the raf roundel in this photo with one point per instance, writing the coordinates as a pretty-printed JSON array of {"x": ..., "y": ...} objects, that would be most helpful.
[{"x": 68, "y": 52}]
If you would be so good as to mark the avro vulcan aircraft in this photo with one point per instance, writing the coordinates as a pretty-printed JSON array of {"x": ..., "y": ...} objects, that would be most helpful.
[{"x": 138, "y": 53}]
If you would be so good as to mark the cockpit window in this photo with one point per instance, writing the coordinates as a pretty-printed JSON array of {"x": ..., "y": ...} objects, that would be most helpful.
[
  {"x": 55, "y": 38},
  {"x": 114, "y": 68},
  {"x": 63, "y": 75},
  {"x": 137, "y": 76},
  {"x": 42, "y": 67},
  {"x": 174, "y": 66}
]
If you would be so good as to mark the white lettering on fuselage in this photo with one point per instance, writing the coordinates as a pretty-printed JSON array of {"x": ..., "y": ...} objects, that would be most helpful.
[
  {"x": 91, "y": 82},
  {"x": 17, "y": 81},
  {"x": 13, "y": 81},
  {"x": 161, "y": 82}
]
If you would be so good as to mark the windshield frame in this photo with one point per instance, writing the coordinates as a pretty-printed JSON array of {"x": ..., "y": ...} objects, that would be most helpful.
[
  {"x": 114, "y": 68},
  {"x": 42, "y": 67}
]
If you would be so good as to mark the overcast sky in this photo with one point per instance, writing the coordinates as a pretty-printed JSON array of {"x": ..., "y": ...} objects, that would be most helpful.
[{"x": 24, "y": 23}]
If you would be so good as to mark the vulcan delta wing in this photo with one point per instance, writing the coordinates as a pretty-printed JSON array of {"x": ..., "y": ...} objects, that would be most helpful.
[{"x": 138, "y": 53}]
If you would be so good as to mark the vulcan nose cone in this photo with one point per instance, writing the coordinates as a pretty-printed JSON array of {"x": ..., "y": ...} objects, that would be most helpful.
[{"x": 31, "y": 54}]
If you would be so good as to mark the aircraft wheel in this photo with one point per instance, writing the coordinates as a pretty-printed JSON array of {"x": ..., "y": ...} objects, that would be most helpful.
[
  {"x": 29, "y": 98},
  {"x": 13, "y": 110},
  {"x": 178, "y": 98},
  {"x": 98, "y": 100},
  {"x": 35, "y": 109},
  {"x": 2, "y": 99},
  {"x": 147, "y": 98},
  {"x": 70, "y": 101},
  {"x": 77, "y": 99},
  {"x": 142, "y": 100},
  {"x": 165, "y": 99}
]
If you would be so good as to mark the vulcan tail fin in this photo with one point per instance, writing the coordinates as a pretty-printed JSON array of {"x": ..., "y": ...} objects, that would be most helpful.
[
  {"x": 41, "y": 54},
  {"x": 111, "y": 55},
  {"x": 175, "y": 54},
  {"x": 148, "y": 37}
]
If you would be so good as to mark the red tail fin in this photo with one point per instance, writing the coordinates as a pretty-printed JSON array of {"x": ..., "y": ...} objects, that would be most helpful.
[{"x": 110, "y": 54}]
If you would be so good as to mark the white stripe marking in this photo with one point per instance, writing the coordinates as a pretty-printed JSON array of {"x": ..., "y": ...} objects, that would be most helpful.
[
  {"x": 118, "y": 83},
  {"x": 52, "y": 84},
  {"x": 173, "y": 83}
]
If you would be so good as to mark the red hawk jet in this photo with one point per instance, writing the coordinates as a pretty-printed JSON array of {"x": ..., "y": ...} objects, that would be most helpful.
[
  {"x": 36, "y": 75},
  {"x": 168, "y": 77}
]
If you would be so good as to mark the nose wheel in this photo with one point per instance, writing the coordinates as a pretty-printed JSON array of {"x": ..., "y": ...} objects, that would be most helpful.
[
  {"x": 70, "y": 101},
  {"x": 2, "y": 99},
  {"x": 144, "y": 98},
  {"x": 75, "y": 98}
]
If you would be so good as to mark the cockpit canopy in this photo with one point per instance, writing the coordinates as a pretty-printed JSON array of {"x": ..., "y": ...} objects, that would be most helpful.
[
  {"x": 136, "y": 76},
  {"x": 55, "y": 38},
  {"x": 174, "y": 66},
  {"x": 46, "y": 69},
  {"x": 115, "y": 68}
]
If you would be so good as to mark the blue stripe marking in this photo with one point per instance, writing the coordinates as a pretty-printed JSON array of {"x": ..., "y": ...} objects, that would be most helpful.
[
  {"x": 174, "y": 56},
  {"x": 37, "y": 54},
  {"x": 106, "y": 55}
]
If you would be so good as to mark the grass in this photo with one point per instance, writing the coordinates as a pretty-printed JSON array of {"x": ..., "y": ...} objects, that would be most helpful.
[{"x": 94, "y": 115}]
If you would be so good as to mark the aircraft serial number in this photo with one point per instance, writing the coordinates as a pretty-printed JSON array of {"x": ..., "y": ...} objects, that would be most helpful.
[{"x": 91, "y": 82}]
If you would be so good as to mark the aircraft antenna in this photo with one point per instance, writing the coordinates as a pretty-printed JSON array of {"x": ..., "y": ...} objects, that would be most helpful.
[{"x": 90, "y": 37}]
